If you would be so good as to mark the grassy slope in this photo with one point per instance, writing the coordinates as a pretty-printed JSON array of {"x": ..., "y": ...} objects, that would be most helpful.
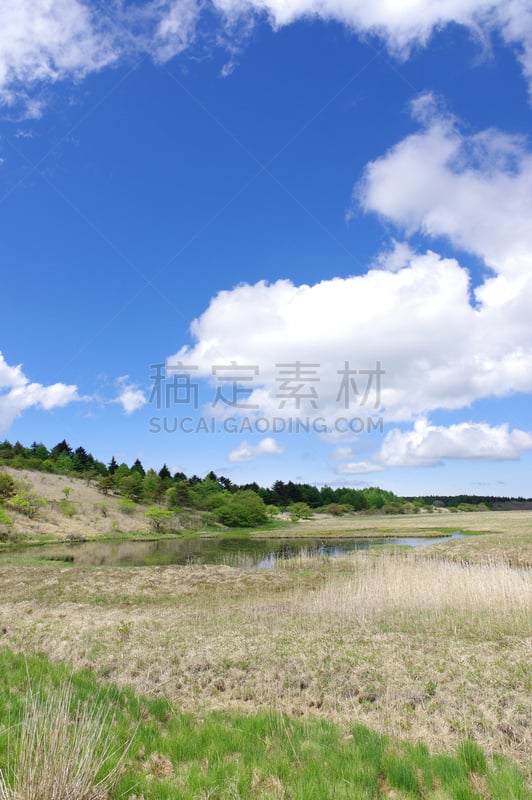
[{"x": 88, "y": 522}]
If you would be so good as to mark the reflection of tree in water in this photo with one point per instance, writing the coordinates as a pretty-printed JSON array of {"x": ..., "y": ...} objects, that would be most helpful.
[{"x": 261, "y": 553}]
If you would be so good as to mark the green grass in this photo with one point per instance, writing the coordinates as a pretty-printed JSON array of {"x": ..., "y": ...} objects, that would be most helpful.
[{"x": 264, "y": 755}]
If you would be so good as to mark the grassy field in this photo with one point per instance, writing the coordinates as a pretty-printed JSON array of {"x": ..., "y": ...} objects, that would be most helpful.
[
  {"x": 506, "y": 535},
  {"x": 279, "y": 683},
  {"x": 64, "y": 736}
]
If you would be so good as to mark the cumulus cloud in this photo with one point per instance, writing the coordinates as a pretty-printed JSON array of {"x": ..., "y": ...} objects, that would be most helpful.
[
  {"x": 250, "y": 452},
  {"x": 435, "y": 349},
  {"x": 131, "y": 398},
  {"x": 18, "y": 393},
  {"x": 442, "y": 343},
  {"x": 427, "y": 445},
  {"x": 476, "y": 190},
  {"x": 45, "y": 41},
  {"x": 430, "y": 444}
]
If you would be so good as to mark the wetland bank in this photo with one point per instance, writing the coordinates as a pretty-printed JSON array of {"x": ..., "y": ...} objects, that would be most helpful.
[{"x": 426, "y": 645}]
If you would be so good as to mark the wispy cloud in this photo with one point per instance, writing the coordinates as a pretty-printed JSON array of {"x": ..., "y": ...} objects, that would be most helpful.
[
  {"x": 18, "y": 393},
  {"x": 46, "y": 41},
  {"x": 130, "y": 397},
  {"x": 250, "y": 452}
]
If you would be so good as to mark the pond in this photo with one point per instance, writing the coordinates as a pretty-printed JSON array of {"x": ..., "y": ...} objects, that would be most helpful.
[{"x": 260, "y": 553}]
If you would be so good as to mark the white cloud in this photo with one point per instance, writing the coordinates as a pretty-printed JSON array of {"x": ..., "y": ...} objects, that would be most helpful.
[
  {"x": 358, "y": 468},
  {"x": 17, "y": 394},
  {"x": 404, "y": 24},
  {"x": 44, "y": 41},
  {"x": 175, "y": 28},
  {"x": 430, "y": 444},
  {"x": 398, "y": 256},
  {"x": 437, "y": 351},
  {"x": 342, "y": 452},
  {"x": 441, "y": 344},
  {"x": 476, "y": 190},
  {"x": 131, "y": 398},
  {"x": 427, "y": 445},
  {"x": 250, "y": 452}
]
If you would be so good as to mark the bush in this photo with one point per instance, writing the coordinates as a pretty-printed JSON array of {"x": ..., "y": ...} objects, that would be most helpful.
[
  {"x": 68, "y": 509},
  {"x": 127, "y": 506},
  {"x": 105, "y": 484},
  {"x": 157, "y": 516},
  {"x": 7, "y": 487},
  {"x": 392, "y": 508},
  {"x": 299, "y": 511},
  {"x": 470, "y": 507},
  {"x": 102, "y": 508},
  {"x": 242, "y": 509},
  {"x": 5, "y": 524},
  {"x": 28, "y": 504},
  {"x": 337, "y": 509}
]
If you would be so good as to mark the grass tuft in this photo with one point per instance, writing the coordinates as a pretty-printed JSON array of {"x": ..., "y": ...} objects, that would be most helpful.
[{"x": 62, "y": 750}]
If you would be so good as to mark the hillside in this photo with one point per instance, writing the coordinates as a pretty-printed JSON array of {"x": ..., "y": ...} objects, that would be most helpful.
[{"x": 87, "y": 513}]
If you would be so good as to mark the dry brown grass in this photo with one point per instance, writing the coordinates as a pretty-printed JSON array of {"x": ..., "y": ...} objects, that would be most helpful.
[
  {"x": 415, "y": 647},
  {"x": 506, "y": 535},
  {"x": 88, "y": 521},
  {"x": 392, "y": 583}
]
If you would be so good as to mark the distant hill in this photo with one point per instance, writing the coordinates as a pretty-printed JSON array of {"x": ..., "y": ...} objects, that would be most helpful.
[{"x": 82, "y": 512}]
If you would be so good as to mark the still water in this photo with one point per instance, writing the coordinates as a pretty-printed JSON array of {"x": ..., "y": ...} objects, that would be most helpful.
[{"x": 261, "y": 553}]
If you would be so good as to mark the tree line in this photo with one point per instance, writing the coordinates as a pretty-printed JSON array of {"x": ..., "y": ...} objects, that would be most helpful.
[{"x": 230, "y": 503}]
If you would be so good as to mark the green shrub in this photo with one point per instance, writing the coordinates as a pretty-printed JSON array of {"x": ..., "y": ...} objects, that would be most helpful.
[
  {"x": 392, "y": 508},
  {"x": 28, "y": 504},
  {"x": 127, "y": 506},
  {"x": 7, "y": 487},
  {"x": 5, "y": 519},
  {"x": 242, "y": 509},
  {"x": 68, "y": 509},
  {"x": 300, "y": 511},
  {"x": 157, "y": 516},
  {"x": 337, "y": 509},
  {"x": 102, "y": 508}
]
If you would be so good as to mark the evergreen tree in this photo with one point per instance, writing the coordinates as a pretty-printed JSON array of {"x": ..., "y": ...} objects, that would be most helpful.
[
  {"x": 137, "y": 467},
  {"x": 60, "y": 449}
]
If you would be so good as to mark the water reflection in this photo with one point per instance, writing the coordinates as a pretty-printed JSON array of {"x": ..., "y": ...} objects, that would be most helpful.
[{"x": 259, "y": 553}]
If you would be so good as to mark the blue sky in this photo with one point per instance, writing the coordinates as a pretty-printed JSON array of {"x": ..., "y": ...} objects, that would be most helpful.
[{"x": 241, "y": 185}]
